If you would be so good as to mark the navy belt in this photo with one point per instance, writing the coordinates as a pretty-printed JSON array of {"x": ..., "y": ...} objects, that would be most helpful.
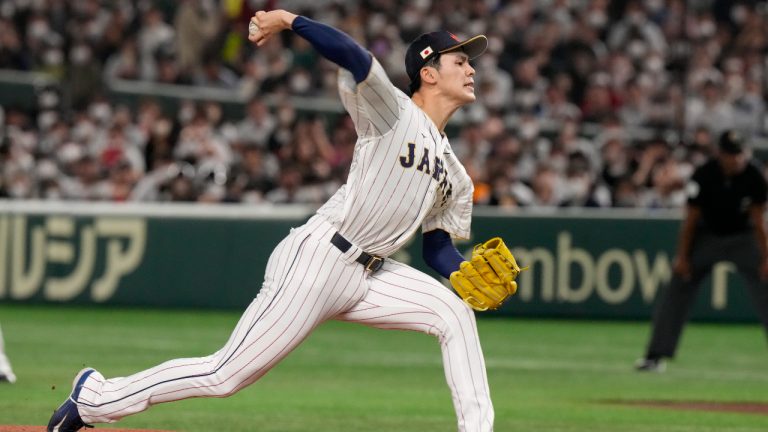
[{"x": 371, "y": 263}]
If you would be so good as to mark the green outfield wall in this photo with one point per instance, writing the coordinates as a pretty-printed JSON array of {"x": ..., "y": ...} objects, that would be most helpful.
[{"x": 583, "y": 264}]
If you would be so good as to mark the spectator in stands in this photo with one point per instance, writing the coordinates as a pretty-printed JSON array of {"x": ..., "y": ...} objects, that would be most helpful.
[
  {"x": 84, "y": 182},
  {"x": 258, "y": 125},
  {"x": 556, "y": 105},
  {"x": 260, "y": 170},
  {"x": 126, "y": 63},
  {"x": 708, "y": 108},
  {"x": 288, "y": 188},
  {"x": 180, "y": 189},
  {"x": 472, "y": 148},
  {"x": 547, "y": 187},
  {"x": 667, "y": 179},
  {"x": 580, "y": 186},
  {"x": 214, "y": 73},
  {"x": 12, "y": 53},
  {"x": 116, "y": 149},
  {"x": 84, "y": 75},
  {"x": 195, "y": 27},
  {"x": 198, "y": 143},
  {"x": 310, "y": 151},
  {"x": 616, "y": 161},
  {"x": 169, "y": 70},
  {"x": 557, "y": 76},
  {"x": 600, "y": 102},
  {"x": 120, "y": 181},
  {"x": 636, "y": 33},
  {"x": 154, "y": 34},
  {"x": 636, "y": 108},
  {"x": 749, "y": 108},
  {"x": 343, "y": 138},
  {"x": 625, "y": 193}
]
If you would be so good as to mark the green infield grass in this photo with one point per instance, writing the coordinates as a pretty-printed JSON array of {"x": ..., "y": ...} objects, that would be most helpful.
[{"x": 545, "y": 375}]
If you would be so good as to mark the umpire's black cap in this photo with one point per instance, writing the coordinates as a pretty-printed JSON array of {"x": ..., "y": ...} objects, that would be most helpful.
[
  {"x": 428, "y": 45},
  {"x": 732, "y": 142}
]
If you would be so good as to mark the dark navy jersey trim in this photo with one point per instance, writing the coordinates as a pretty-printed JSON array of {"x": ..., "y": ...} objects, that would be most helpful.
[{"x": 79, "y": 385}]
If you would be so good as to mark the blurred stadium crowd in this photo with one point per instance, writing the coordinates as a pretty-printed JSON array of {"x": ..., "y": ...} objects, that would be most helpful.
[{"x": 580, "y": 102}]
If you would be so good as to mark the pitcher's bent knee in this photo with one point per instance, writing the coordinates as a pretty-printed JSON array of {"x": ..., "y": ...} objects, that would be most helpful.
[{"x": 455, "y": 320}]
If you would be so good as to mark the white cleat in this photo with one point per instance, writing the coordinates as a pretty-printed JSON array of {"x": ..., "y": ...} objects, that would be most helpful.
[{"x": 6, "y": 373}]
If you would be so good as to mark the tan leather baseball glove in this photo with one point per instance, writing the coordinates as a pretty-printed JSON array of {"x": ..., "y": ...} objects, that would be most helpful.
[{"x": 488, "y": 278}]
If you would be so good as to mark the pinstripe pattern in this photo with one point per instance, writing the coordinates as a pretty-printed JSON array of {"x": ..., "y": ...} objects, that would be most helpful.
[
  {"x": 403, "y": 298},
  {"x": 403, "y": 176},
  {"x": 289, "y": 306},
  {"x": 384, "y": 203}
]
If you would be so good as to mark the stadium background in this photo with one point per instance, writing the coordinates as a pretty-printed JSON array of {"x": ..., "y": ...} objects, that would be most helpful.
[
  {"x": 580, "y": 103},
  {"x": 599, "y": 108},
  {"x": 150, "y": 157}
]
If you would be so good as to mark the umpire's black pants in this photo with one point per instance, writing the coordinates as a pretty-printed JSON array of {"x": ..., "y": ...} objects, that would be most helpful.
[{"x": 676, "y": 300}]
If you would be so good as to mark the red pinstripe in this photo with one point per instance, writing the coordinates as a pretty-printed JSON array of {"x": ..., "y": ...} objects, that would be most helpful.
[
  {"x": 449, "y": 369},
  {"x": 400, "y": 294}
]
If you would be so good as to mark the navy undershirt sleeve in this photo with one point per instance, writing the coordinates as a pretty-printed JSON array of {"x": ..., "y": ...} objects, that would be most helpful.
[
  {"x": 440, "y": 253},
  {"x": 336, "y": 46}
]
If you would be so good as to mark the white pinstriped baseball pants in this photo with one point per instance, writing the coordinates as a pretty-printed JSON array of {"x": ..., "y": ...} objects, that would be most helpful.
[{"x": 308, "y": 281}]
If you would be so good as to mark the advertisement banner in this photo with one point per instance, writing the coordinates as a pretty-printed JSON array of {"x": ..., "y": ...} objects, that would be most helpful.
[{"x": 597, "y": 265}]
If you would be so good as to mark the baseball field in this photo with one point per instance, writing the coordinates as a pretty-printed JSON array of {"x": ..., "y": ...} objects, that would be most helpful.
[{"x": 549, "y": 375}]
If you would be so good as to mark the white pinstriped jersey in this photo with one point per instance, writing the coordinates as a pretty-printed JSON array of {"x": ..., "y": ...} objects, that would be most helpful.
[
  {"x": 403, "y": 172},
  {"x": 403, "y": 175}
]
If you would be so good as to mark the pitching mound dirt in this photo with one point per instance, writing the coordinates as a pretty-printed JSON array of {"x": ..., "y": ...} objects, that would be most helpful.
[{"x": 760, "y": 408}]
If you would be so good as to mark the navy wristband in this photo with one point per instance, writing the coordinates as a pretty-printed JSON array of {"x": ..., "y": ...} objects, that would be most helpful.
[{"x": 439, "y": 252}]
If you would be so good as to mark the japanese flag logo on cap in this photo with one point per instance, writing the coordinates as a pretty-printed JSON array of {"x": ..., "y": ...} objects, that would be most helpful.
[{"x": 426, "y": 52}]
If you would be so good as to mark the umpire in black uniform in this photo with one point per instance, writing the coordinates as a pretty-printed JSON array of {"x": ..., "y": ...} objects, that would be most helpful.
[{"x": 723, "y": 222}]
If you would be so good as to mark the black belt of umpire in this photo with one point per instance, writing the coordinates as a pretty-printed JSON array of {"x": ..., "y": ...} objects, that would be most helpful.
[{"x": 372, "y": 263}]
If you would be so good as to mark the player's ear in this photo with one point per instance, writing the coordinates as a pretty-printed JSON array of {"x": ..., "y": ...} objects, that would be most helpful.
[{"x": 428, "y": 75}]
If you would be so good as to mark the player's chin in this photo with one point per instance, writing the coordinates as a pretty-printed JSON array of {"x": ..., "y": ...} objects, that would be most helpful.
[{"x": 468, "y": 95}]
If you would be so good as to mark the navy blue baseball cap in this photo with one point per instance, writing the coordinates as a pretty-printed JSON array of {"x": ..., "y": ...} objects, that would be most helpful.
[{"x": 429, "y": 45}]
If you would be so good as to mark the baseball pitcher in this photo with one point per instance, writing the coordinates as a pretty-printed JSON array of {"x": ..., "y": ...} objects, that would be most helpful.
[{"x": 403, "y": 176}]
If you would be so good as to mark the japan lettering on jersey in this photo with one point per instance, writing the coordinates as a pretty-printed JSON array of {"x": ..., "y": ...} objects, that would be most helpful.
[{"x": 403, "y": 173}]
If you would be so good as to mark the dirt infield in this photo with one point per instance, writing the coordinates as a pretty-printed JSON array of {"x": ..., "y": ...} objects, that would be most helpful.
[
  {"x": 760, "y": 408},
  {"x": 16, "y": 428}
]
